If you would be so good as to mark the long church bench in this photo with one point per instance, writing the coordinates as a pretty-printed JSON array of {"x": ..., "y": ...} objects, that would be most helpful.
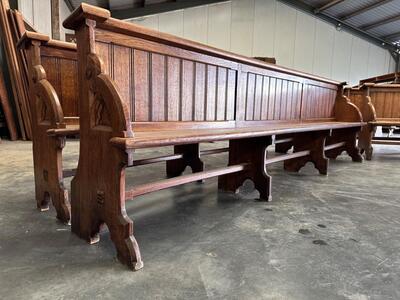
[
  {"x": 59, "y": 61},
  {"x": 139, "y": 88},
  {"x": 378, "y": 99}
]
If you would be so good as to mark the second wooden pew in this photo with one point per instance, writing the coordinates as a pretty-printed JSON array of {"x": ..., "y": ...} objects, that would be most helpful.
[{"x": 378, "y": 99}]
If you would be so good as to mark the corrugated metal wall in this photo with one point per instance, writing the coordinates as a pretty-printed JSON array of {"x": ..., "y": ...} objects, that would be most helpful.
[{"x": 271, "y": 28}]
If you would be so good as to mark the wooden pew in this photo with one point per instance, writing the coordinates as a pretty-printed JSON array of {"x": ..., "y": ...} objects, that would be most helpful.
[
  {"x": 378, "y": 99},
  {"x": 140, "y": 89}
]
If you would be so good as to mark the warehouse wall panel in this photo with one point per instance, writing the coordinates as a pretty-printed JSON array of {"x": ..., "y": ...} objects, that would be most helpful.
[
  {"x": 323, "y": 49},
  {"x": 219, "y": 25},
  {"x": 242, "y": 26},
  {"x": 195, "y": 21},
  {"x": 285, "y": 34},
  {"x": 305, "y": 42},
  {"x": 264, "y": 28},
  {"x": 294, "y": 38},
  {"x": 342, "y": 56}
]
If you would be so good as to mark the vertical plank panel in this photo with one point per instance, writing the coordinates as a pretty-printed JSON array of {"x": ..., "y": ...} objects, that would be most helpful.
[
  {"x": 200, "y": 88},
  {"x": 258, "y": 97},
  {"x": 278, "y": 99},
  {"x": 387, "y": 111},
  {"x": 221, "y": 93},
  {"x": 157, "y": 87},
  {"x": 289, "y": 100},
  {"x": 173, "y": 88},
  {"x": 271, "y": 97},
  {"x": 231, "y": 95},
  {"x": 187, "y": 90},
  {"x": 69, "y": 88},
  {"x": 396, "y": 106},
  {"x": 211, "y": 92},
  {"x": 103, "y": 51},
  {"x": 295, "y": 101},
  {"x": 283, "y": 101},
  {"x": 51, "y": 65},
  {"x": 241, "y": 98},
  {"x": 265, "y": 98},
  {"x": 122, "y": 71},
  {"x": 251, "y": 81},
  {"x": 141, "y": 83}
]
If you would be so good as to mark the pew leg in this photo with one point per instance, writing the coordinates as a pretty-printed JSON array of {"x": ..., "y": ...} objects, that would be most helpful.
[
  {"x": 47, "y": 158},
  {"x": 98, "y": 197},
  {"x": 253, "y": 152},
  {"x": 349, "y": 137},
  {"x": 121, "y": 231},
  {"x": 313, "y": 142},
  {"x": 191, "y": 158},
  {"x": 365, "y": 138}
]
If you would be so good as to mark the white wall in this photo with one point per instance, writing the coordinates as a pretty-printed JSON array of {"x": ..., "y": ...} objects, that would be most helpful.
[
  {"x": 271, "y": 28},
  {"x": 38, "y": 13}
]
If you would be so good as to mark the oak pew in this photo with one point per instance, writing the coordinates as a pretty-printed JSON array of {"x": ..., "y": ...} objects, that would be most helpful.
[
  {"x": 378, "y": 99},
  {"x": 139, "y": 88}
]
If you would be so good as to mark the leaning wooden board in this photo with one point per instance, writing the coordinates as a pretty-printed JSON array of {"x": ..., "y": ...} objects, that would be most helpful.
[
  {"x": 6, "y": 105},
  {"x": 20, "y": 92}
]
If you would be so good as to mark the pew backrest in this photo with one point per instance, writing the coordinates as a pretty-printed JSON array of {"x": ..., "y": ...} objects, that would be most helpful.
[
  {"x": 59, "y": 60},
  {"x": 384, "y": 99},
  {"x": 162, "y": 78}
]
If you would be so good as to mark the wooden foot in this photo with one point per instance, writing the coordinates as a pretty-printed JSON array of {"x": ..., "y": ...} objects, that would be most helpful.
[
  {"x": 253, "y": 152},
  {"x": 365, "y": 138},
  {"x": 368, "y": 153},
  {"x": 349, "y": 136},
  {"x": 313, "y": 142},
  {"x": 191, "y": 158},
  {"x": 128, "y": 253}
]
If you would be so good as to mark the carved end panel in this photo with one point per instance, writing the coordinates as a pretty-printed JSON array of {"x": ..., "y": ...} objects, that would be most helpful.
[
  {"x": 47, "y": 105},
  {"x": 108, "y": 112}
]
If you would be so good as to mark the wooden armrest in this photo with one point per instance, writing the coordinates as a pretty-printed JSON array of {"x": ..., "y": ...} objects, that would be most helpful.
[
  {"x": 63, "y": 131},
  {"x": 29, "y": 36}
]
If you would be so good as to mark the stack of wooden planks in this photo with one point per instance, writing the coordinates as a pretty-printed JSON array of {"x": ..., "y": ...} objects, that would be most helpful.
[{"x": 10, "y": 30}]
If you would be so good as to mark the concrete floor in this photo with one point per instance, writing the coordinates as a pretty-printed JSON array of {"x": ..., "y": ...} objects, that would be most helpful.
[{"x": 335, "y": 237}]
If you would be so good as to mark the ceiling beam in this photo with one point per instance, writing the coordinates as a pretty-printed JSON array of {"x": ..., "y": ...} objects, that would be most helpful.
[
  {"x": 70, "y": 5},
  {"x": 365, "y": 9},
  {"x": 379, "y": 41},
  {"x": 327, "y": 5},
  {"x": 151, "y": 9},
  {"x": 393, "y": 36},
  {"x": 381, "y": 22}
]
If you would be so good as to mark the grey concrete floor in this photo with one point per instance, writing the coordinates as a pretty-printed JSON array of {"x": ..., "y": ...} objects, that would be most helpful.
[{"x": 334, "y": 237}]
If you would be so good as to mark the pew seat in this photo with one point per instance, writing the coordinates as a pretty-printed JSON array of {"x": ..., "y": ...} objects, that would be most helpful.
[{"x": 168, "y": 137}]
